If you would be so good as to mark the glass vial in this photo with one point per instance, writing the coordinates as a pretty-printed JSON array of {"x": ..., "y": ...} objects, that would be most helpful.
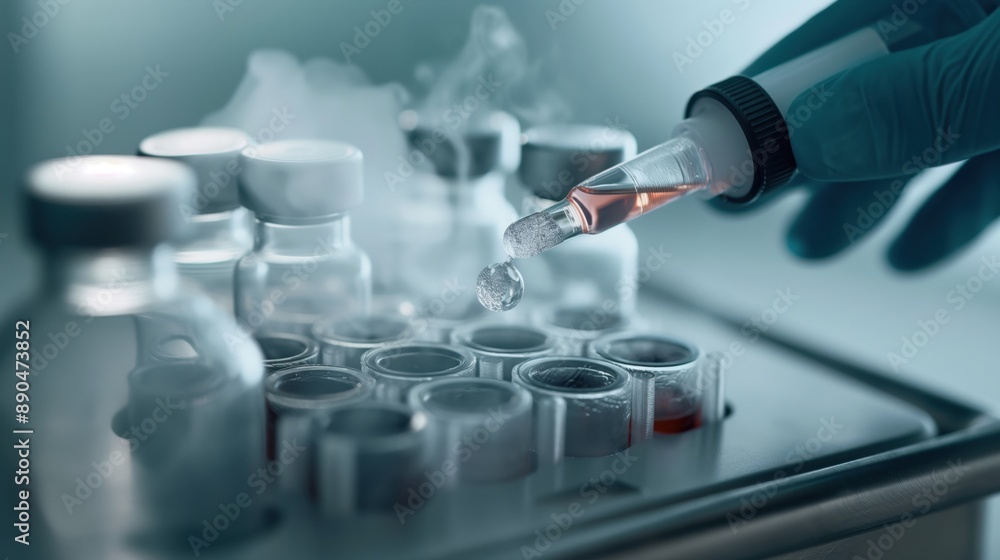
[
  {"x": 218, "y": 230},
  {"x": 304, "y": 266},
  {"x": 582, "y": 406},
  {"x": 178, "y": 431},
  {"x": 679, "y": 390},
  {"x": 589, "y": 271},
  {"x": 452, "y": 217}
]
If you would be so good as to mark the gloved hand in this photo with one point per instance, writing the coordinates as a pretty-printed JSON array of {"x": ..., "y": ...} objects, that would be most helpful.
[{"x": 887, "y": 119}]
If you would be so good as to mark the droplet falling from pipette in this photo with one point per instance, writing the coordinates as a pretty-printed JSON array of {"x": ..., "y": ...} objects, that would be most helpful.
[{"x": 500, "y": 286}]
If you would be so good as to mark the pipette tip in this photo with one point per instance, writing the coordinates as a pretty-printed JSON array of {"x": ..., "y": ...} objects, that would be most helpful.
[{"x": 531, "y": 235}]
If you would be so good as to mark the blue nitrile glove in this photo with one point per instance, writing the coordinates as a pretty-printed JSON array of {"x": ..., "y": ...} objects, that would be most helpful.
[{"x": 887, "y": 119}]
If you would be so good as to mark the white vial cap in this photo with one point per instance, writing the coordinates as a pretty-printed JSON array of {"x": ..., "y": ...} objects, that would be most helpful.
[
  {"x": 107, "y": 201},
  {"x": 292, "y": 181},
  {"x": 213, "y": 153}
]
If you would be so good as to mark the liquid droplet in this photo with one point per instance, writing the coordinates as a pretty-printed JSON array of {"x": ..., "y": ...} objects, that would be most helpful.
[{"x": 500, "y": 286}]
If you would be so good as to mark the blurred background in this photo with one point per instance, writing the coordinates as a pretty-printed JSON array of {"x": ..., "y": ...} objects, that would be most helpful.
[{"x": 612, "y": 61}]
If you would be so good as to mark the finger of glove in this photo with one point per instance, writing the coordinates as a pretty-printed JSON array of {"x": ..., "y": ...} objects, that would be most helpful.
[
  {"x": 897, "y": 114},
  {"x": 839, "y": 19},
  {"x": 839, "y": 215},
  {"x": 952, "y": 217}
]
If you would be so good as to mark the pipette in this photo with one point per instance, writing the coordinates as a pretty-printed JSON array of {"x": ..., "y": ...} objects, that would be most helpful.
[{"x": 734, "y": 142}]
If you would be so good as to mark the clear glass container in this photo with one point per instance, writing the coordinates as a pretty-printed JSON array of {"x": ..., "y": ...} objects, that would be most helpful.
[
  {"x": 479, "y": 429},
  {"x": 499, "y": 347},
  {"x": 283, "y": 350},
  {"x": 219, "y": 231},
  {"x": 304, "y": 266},
  {"x": 451, "y": 220},
  {"x": 678, "y": 368},
  {"x": 368, "y": 455},
  {"x": 398, "y": 368},
  {"x": 596, "y": 271},
  {"x": 575, "y": 327},
  {"x": 344, "y": 341},
  {"x": 298, "y": 400},
  {"x": 146, "y": 406},
  {"x": 582, "y": 406}
]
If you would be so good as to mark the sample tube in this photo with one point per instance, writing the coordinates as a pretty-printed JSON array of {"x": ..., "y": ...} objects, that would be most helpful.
[
  {"x": 437, "y": 327},
  {"x": 400, "y": 367},
  {"x": 343, "y": 341},
  {"x": 676, "y": 365},
  {"x": 498, "y": 348},
  {"x": 368, "y": 455},
  {"x": 713, "y": 388},
  {"x": 643, "y": 404},
  {"x": 296, "y": 398},
  {"x": 582, "y": 406},
  {"x": 574, "y": 328},
  {"x": 480, "y": 429},
  {"x": 283, "y": 350},
  {"x": 190, "y": 428}
]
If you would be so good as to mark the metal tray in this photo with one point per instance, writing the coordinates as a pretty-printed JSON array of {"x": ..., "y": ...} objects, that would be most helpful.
[{"x": 817, "y": 459}]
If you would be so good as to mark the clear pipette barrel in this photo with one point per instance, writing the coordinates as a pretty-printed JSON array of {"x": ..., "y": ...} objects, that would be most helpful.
[{"x": 655, "y": 177}]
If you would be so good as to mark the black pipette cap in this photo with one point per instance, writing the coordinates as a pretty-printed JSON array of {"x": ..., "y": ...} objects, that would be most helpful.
[{"x": 765, "y": 129}]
